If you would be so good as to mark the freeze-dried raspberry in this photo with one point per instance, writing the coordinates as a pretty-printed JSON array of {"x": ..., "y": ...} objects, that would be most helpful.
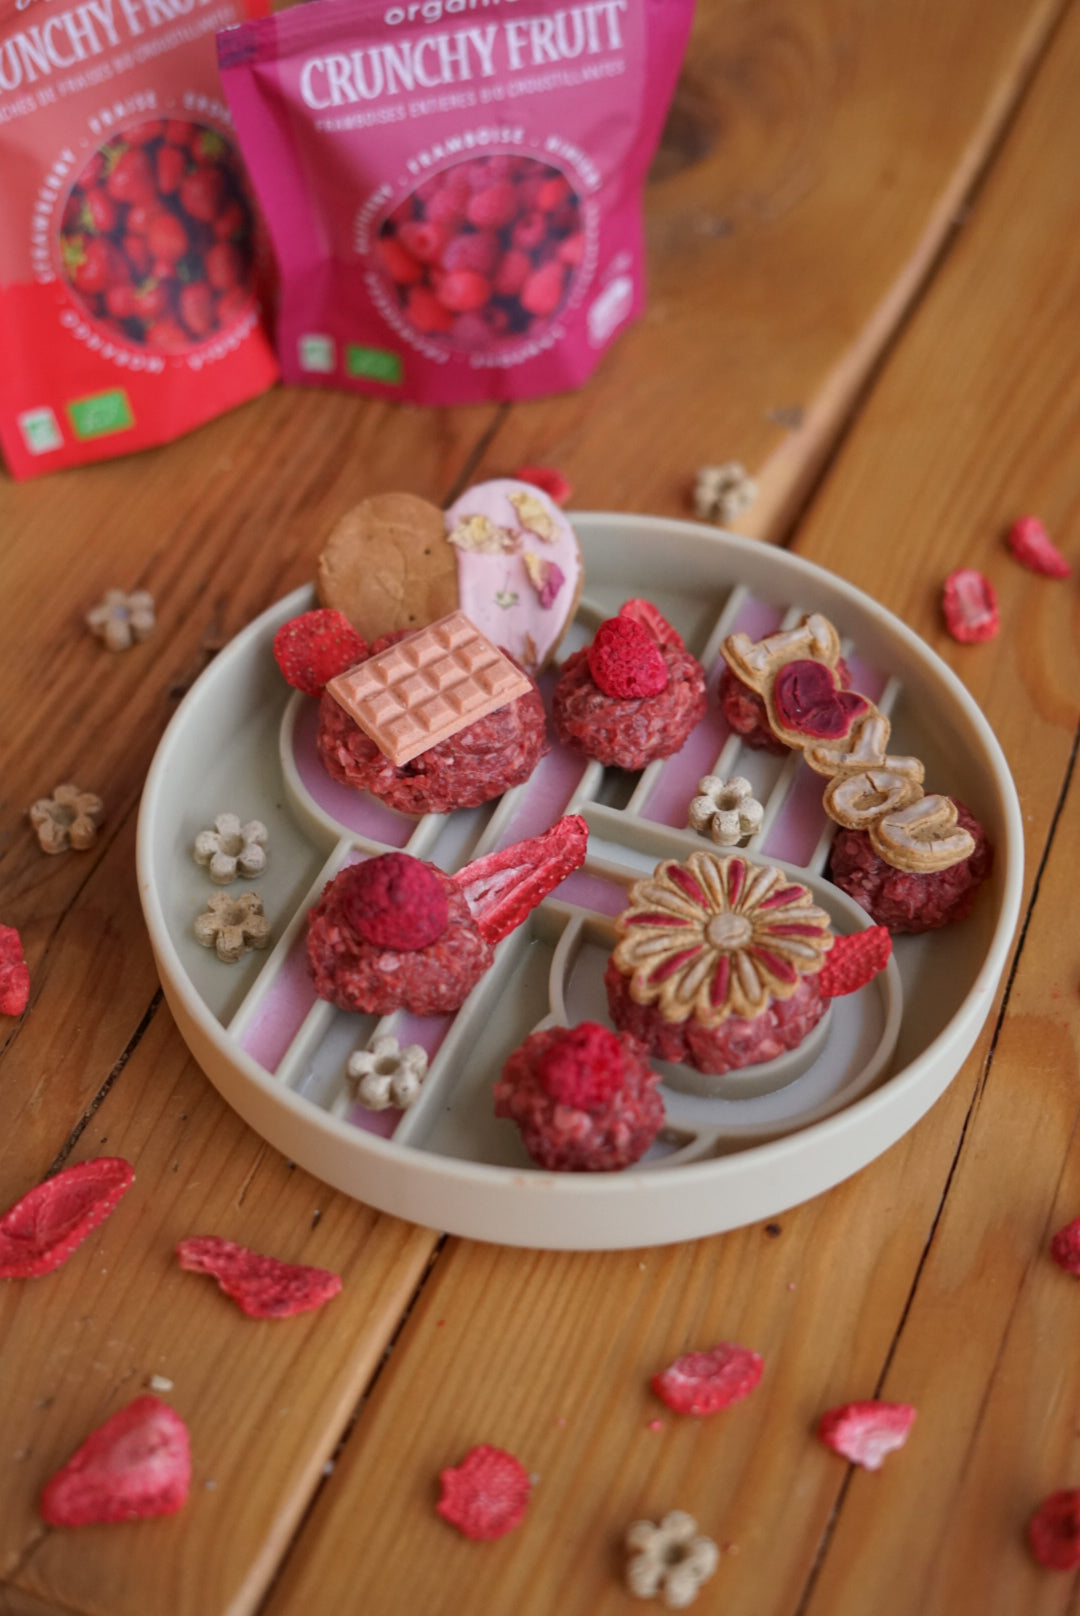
[
  {"x": 703, "y": 1382},
  {"x": 809, "y": 700},
  {"x": 866, "y": 1432},
  {"x": 447, "y": 205},
  {"x": 14, "y": 973},
  {"x": 52, "y": 1220},
  {"x": 479, "y": 250},
  {"x": 426, "y": 241},
  {"x": 135, "y": 1466},
  {"x": 1065, "y": 1247},
  {"x": 399, "y": 262},
  {"x": 513, "y": 271},
  {"x": 552, "y": 481},
  {"x": 572, "y": 250},
  {"x": 1054, "y": 1531},
  {"x": 854, "y": 961},
  {"x": 315, "y": 647},
  {"x": 644, "y": 613},
  {"x": 493, "y": 207},
  {"x": 262, "y": 1287},
  {"x": 530, "y": 231},
  {"x": 970, "y": 606},
  {"x": 1033, "y": 547},
  {"x": 542, "y": 292},
  {"x": 583, "y": 1067},
  {"x": 625, "y": 661},
  {"x": 426, "y": 312},
  {"x": 503, "y": 887},
  {"x": 486, "y": 1495},
  {"x": 463, "y": 290},
  {"x": 552, "y": 193},
  {"x": 394, "y": 901}
]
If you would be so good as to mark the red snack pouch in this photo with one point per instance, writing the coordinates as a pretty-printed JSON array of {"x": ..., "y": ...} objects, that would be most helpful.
[
  {"x": 128, "y": 312},
  {"x": 453, "y": 188}
]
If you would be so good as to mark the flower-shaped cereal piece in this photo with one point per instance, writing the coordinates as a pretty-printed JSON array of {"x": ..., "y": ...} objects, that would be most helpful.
[
  {"x": 69, "y": 818},
  {"x": 671, "y": 1560},
  {"x": 232, "y": 925},
  {"x": 121, "y": 619},
  {"x": 726, "y": 809},
  {"x": 718, "y": 936},
  {"x": 387, "y": 1075},
  {"x": 232, "y": 849},
  {"x": 721, "y": 493}
]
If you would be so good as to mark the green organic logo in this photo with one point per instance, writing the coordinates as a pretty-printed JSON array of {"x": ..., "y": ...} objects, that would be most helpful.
[
  {"x": 100, "y": 414},
  {"x": 378, "y": 364}
]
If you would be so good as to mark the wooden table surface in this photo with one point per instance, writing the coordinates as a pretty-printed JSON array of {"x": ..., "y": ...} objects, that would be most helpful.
[{"x": 864, "y": 237}]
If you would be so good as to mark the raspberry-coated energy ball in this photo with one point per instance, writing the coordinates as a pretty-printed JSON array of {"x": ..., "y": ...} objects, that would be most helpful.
[
  {"x": 633, "y": 695},
  {"x": 906, "y": 902},
  {"x": 584, "y": 1098},
  {"x": 481, "y": 761},
  {"x": 745, "y": 710}
]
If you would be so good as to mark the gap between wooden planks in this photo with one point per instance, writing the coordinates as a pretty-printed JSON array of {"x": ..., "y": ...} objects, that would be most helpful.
[
  {"x": 223, "y": 535},
  {"x": 550, "y": 1354}
]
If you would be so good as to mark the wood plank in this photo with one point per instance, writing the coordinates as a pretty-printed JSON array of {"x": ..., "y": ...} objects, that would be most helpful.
[
  {"x": 816, "y": 161},
  {"x": 538, "y": 1338}
]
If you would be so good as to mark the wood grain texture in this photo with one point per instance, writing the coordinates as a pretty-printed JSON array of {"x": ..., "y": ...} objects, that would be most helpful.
[
  {"x": 754, "y": 1475},
  {"x": 814, "y": 166},
  {"x": 796, "y": 125}
]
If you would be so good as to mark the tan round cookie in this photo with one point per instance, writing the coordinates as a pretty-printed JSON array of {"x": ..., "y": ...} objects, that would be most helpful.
[{"x": 388, "y": 565}]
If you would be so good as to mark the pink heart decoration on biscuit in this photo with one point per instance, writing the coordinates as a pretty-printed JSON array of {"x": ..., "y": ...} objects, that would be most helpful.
[{"x": 808, "y": 700}]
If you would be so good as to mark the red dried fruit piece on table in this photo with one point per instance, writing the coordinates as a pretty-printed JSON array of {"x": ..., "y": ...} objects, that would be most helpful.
[
  {"x": 52, "y": 1220},
  {"x": 262, "y": 1287},
  {"x": 866, "y": 1432},
  {"x": 970, "y": 606},
  {"x": 14, "y": 973},
  {"x": 854, "y": 961},
  {"x": 486, "y": 1495},
  {"x": 1033, "y": 547},
  {"x": 395, "y": 901},
  {"x": 135, "y": 1466},
  {"x": 645, "y": 613},
  {"x": 1065, "y": 1247},
  {"x": 1053, "y": 1531},
  {"x": 315, "y": 647},
  {"x": 703, "y": 1382},
  {"x": 625, "y": 661},
  {"x": 502, "y": 888},
  {"x": 552, "y": 481}
]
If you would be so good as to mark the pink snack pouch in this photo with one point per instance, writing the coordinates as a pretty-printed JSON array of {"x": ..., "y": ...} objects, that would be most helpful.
[
  {"x": 128, "y": 309},
  {"x": 454, "y": 187}
]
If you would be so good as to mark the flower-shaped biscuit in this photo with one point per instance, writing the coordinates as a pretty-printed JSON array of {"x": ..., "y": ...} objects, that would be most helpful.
[
  {"x": 726, "y": 809},
  {"x": 232, "y": 849},
  {"x": 232, "y": 925},
  {"x": 718, "y": 936},
  {"x": 671, "y": 1560},
  {"x": 721, "y": 493},
  {"x": 69, "y": 818},
  {"x": 121, "y": 619},
  {"x": 387, "y": 1075}
]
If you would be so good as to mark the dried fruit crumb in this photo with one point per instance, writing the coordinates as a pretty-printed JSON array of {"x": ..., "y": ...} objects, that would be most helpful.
[
  {"x": 486, "y": 1495},
  {"x": 866, "y": 1432}
]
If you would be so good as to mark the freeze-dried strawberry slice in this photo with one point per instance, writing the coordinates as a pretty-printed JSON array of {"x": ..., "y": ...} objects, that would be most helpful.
[
  {"x": 553, "y": 483},
  {"x": 42, "y": 1230},
  {"x": 314, "y": 648},
  {"x": 854, "y": 961},
  {"x": 136, "y": 1465},
  {"x": 262, "y": 1287},
  {"x": 503, "y": 887},
  {"x": 1054, "y": 1531},
  {"x": 866, "y": 1432},
  {"x": 645, "y": 613},
  {"x": 703, "y": 1382},
  {"x": 1065, "y": 1247},
  {"x": 14, "y": 973},
  {"x": 970, "y": 606},
  {"x": 1033, "y": 547},
  {"x": 486, "y": 1495}
]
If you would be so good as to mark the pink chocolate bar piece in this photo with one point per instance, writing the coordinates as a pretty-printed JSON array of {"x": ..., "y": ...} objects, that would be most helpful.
[{"x": 427, "y": 687}]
